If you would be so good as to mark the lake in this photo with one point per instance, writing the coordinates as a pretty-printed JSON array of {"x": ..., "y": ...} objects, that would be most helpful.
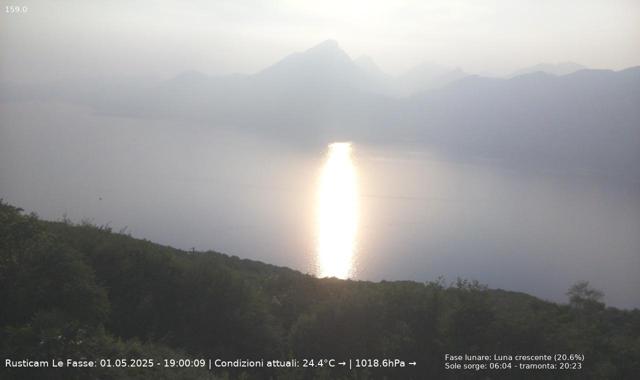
[{"x": 420, "y": 214}]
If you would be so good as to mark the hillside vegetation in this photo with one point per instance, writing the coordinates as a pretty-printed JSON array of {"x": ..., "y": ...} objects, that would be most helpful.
[{"x": 81, "y": 291}]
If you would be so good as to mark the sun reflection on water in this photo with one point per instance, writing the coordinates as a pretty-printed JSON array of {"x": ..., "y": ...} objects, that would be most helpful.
[{"x": 337, "y": 214}]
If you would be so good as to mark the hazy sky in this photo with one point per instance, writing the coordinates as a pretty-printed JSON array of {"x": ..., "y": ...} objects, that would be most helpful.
[{"x": 60, "y": 39}]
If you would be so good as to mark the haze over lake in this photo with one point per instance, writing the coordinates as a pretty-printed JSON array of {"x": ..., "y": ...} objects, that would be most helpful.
[{"x": 422, "y": 214}]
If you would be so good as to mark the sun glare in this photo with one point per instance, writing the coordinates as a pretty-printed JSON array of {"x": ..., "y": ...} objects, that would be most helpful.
[{"x": 337, "y": 214}]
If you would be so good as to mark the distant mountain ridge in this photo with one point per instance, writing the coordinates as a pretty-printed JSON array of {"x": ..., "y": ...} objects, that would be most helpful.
[
  {"x": 586, "y": 121},
  {"x": 425, "y": 77},
  {"x": 562, "y": 68}
]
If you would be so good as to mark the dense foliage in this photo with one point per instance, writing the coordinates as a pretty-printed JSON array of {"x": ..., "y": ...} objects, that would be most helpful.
[{"x": 81, "y": 291}]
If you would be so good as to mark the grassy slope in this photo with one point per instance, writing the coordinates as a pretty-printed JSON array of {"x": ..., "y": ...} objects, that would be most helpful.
[{"x": 142, "y": 298}]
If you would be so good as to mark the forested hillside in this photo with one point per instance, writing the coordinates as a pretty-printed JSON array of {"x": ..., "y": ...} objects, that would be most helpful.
[{"x": 82, "y": 291}]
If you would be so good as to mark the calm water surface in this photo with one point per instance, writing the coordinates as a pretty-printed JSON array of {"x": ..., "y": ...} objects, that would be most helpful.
[{"x": 419, "y": 215}]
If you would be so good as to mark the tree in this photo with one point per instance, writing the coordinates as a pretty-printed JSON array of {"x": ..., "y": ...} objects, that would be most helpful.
[{"x": 583, "y": 297}]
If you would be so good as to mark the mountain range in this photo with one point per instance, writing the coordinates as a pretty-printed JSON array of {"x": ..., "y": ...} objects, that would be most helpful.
[
  {"x": 551, "y": 117},
  {"x": 561, "y": 68}
]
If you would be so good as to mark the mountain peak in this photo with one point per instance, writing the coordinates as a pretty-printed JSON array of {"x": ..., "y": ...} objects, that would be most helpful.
[
  {"x": 328, "y": 48},
  {"x": 324, "y": 57},
  {"x": 329, "y": 44}
]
